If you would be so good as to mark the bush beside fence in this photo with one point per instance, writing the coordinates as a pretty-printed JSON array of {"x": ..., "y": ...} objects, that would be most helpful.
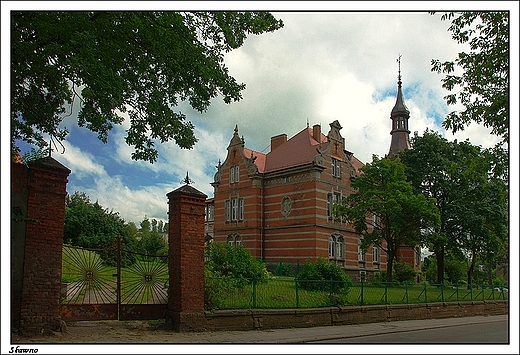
[{"x": 286, "y": 292}]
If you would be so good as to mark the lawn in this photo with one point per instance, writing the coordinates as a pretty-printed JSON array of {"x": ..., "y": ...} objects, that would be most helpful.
[{"x": 282, "y": 292}]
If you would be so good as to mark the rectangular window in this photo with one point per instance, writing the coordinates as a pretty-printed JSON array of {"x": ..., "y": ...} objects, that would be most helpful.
[
  {"x": 336, "y": 167},
  {"x": 332, "y": 247},
  {"x": 241, "y": 209},
  {"x": 376, "y": 254},
  {"x": 209, "y": 213},
  {"x": 362, "y": 254},
  {"x": 235, "y": 209},
  {"x": 228, "y": 210},
  {"x": 234, "y": 174},
  {"x": 340, "y": 248},
  {"x": 329, "y": 205}
]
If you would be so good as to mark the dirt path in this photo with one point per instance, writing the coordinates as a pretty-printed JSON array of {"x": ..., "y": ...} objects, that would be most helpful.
[{"x": 111, "y": 331}]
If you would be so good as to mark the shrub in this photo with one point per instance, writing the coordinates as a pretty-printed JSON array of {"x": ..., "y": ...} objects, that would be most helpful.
[
  {"x": 235, "y": 262},
  {"x": 283, "y": 269},
  {"x": 404, "y": 272},
  {"x": 314, "y": 277}
]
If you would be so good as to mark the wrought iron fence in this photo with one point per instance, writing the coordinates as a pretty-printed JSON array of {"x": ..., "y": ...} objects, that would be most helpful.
[{"x": 286, "y": 292}]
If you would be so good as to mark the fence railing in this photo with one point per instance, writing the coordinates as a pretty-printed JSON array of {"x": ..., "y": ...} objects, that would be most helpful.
[{"x": 286, "y": 292}]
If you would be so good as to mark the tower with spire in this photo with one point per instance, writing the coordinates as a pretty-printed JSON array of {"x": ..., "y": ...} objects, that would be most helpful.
[{"x": 399, "y": 116}]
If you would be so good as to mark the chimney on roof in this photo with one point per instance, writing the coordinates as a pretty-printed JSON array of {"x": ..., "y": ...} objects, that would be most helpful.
[
  {"x": 316, "y": 132},
  {"x": 278, "y": 140}
]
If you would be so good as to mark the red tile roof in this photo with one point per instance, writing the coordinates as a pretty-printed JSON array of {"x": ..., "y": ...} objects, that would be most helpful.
[
  {"x": 299, "y": 150},
  {"x": 260, "y": 158}
]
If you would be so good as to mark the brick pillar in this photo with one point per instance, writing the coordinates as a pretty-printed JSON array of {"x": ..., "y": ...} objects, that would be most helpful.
[
  {"x": 40, "y": 302},
  {"x": 186, "y": 258},
  {"x": 19, "y": 177}
]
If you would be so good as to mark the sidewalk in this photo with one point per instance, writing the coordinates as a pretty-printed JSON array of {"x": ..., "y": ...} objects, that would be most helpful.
[{"x": 109, "y": 332}]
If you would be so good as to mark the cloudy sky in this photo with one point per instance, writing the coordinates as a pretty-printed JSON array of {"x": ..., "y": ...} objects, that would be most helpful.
[{"x": 320, "y": 67}]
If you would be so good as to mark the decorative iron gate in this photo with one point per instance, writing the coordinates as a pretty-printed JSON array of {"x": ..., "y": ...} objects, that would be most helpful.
[{"x": 113, "y": 283}]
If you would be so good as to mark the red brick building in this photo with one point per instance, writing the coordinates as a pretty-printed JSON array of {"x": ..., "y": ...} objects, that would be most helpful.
[{"x": 279, "y": 204}]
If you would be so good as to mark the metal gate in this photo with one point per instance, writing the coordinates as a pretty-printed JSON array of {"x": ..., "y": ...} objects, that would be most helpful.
[{"x": 112, "y": 283}]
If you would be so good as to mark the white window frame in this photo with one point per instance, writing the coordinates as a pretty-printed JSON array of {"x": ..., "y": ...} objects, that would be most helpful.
[
  {"x": 329, "y": 204},
  {"x": 340, "y": 247},
  {"x": 332, "y": 247},
  {"x": 336, "y": 167},
  {"x": 376, "y": 254},
  {"x": 210, "y": 213},
  {"x": 233, "y": 239},
  {"x": 234, "y": 174},
  {"x": 362, "y": 255},
  {"x": 234, "y": 209}
]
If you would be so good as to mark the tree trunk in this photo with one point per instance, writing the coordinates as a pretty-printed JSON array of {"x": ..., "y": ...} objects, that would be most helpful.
[
  {"x": 439, "y": 255},
  {"x": 389, "y": 266},
  {"x": 470, "y": 270}
]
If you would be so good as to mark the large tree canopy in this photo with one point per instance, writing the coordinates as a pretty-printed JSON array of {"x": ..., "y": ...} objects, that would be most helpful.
[
  {"x": 401, "y": 216},
  {"x": 469, "y": 185},
  {"x": 483, "y": 86},
  {"x": 141, "y": 63}
]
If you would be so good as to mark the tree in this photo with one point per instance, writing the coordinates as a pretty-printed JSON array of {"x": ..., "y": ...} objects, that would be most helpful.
[
  {"x": 469, "y": 185},
  {"x": 402, "y": 216},
  {"x": 151, "y": 242},
  {"x": 140, "y": 63},
  {"x": 483, "y": 87},
  {"x": 89, "y": 225},
  {"x": 482, "y": 208},
  {"x": 429, "y": 166}
]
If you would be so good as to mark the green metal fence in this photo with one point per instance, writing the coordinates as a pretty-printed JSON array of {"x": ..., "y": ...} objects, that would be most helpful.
[{"x": 286, "y": 292}]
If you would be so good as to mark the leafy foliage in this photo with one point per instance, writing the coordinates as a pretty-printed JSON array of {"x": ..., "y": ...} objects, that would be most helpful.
[
  {"x": 235, "y": 262},
  {"x": 140, "y": 63},
  {"x": 403, "y": 217},
  {"x": 151, "y": 242},
  {"x": 313, "y": 277},
  {"x": 89, "y": 225},
  {"x": 404, "y": 272},
  {"x": 483, "y": 87},
  {"x": 469, "y": 185}
]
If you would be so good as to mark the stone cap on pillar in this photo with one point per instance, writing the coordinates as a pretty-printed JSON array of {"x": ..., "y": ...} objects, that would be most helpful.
[
  {"x": 51, "y": 163},
  {"x": 187, "y": 190}
]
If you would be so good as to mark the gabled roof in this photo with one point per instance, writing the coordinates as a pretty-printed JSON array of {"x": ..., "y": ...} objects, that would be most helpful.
[{"x": 299, "y": 150}]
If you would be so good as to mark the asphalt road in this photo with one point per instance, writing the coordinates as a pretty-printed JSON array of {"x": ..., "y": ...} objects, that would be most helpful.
[{"x": 494, "y": 332}]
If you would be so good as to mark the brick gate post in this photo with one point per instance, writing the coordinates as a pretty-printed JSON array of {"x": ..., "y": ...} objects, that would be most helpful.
[
  {"x": 186, "y": 258},
  {"x": 41, "y": 284}
]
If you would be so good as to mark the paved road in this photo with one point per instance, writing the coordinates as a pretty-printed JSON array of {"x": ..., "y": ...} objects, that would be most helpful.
[{"x": 492, "y": 331}]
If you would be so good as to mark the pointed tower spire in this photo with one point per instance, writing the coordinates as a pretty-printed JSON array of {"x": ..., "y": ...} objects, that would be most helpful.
[{"x": 399, "y": 116}]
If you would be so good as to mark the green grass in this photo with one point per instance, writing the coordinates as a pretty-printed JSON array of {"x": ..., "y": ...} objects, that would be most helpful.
[
  {"x": 145, "y": 281},
  {"x": 281, "y": 292}
]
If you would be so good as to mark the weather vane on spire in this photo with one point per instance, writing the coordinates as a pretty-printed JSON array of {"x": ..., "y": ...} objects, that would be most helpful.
[{"x": 399, "y": 63}]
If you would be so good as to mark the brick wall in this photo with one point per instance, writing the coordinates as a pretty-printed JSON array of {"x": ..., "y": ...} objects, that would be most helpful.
[
  {"x": 311, "y": 317},
  {"x": 39, "y": 306},
  {"x": 186, "y": 253}
]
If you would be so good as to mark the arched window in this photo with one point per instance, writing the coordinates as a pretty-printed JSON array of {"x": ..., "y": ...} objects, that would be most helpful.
[
  {"x": 233, "y": 239},
  {"x": 332, "y": 247},
  {"x": 340, "y": 247},
  {"x": 336, "y": 247}
]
